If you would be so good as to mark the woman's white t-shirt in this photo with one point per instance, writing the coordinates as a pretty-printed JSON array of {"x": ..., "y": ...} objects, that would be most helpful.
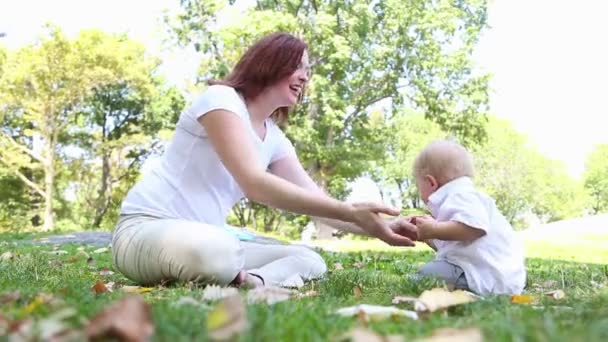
[{"x": 191, "y": 181}]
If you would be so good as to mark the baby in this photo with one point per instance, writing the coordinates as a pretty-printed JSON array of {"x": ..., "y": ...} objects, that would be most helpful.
[{"x": 476, "y": 246}]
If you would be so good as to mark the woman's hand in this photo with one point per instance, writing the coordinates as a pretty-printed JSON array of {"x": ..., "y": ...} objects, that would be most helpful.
[
  {"x": 405, "y": 226},
  {"x": 366, "y": 216}
]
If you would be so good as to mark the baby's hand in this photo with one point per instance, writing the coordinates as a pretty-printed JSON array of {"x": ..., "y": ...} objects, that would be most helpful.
[
  {"x": 405, "y": 227},
  {"x": 426, "y": 226}
]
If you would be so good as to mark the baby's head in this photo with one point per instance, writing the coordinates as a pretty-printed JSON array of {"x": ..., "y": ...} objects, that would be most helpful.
[{"x": 440, "y": 162}]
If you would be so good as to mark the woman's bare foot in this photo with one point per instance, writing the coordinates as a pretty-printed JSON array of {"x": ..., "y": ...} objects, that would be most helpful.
[{"x": 246, "y": 279}]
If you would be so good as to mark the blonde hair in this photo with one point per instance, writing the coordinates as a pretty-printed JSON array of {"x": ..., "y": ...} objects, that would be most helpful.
[{"x": 445, "y": 160}]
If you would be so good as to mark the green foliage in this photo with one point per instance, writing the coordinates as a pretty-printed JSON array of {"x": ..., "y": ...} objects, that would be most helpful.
[
  {"x": 521, "y": 180},
  {"x": 366, "y": 56},
  {"x": 596, "y": 179},
  {"x": 80, "y": 116}
]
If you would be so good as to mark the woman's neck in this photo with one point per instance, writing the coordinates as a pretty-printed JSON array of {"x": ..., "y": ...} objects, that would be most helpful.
[{"x": 261, "y": 108}]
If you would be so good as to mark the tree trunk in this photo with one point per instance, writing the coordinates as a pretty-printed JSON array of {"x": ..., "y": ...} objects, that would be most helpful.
[
  {"x": 49, "y": 180},
  {"x": 102, "y": 197}
]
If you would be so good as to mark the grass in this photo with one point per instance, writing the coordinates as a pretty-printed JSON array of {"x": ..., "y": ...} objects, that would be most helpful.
[{"x": 581, "y": 316}]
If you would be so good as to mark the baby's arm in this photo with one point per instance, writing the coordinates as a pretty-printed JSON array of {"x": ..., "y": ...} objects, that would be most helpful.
[{"x": 429, "y": 228}]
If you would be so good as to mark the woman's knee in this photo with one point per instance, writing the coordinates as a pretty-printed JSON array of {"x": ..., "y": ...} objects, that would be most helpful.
[
  {"x": 213, "y": 259},
  {"x": 316, "y": 263}
]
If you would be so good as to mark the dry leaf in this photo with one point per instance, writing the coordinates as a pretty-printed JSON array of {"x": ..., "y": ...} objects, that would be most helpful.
[
  {"x": 127, "y": 320},
  {"x": 81, "y": 255},
  {"x": 556, "y": 294},
  {"x": 105, "y": 272},
  {"x": 40, "y": 299},
  {"x": 376, "y": 311},
  {"x": 359, "y": 264},
  {"x": 99, "y": 287},
  {"x": 136, "y": 289},
  {"x": 338, "y": 266},
  {"x": 311, "y": 293},
  {"x": 214, "y": 292},
  {"x": 269, "y": 295},
  {"x": 187, "y": 301},
  {"x": 437, "y": 298},
  {"x": 521, "y": 299},
  {"x": 227, "y": 319},
  {"x": 55, "y": 324},
  {"x": 4, "y": 325},
  {"x": 357, "y": 292},
  {"x": 101, "y": 250},
  {"x": 9, "y": 297},
  {"x": 454, "y": 335},
  {"x": 365, "y": 335},
  {"x": 7, "y": 256}
]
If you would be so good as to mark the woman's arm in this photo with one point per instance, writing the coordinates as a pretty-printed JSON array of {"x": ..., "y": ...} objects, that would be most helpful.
[
  {"x": 290, "y": 169},
  {"x": 229, "y": 137}
]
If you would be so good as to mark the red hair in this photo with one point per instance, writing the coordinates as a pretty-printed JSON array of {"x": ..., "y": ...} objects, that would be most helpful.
[{"x": 265, "y": 63}]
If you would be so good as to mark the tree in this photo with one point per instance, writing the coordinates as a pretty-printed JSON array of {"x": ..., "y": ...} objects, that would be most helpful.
[
  {"x": 363, "y": 53},
  {"x": 406, "y": 136},
  {"x": 52, "y": 93},
  {"x": 523, "y": 181},
  {"x": 596, "y": 179}
]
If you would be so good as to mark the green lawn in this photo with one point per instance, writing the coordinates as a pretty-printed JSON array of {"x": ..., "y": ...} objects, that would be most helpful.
[{"x": 581, "y": 316}]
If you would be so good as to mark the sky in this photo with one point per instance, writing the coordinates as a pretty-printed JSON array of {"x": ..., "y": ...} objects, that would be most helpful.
[{"x": 547, "y": 59}]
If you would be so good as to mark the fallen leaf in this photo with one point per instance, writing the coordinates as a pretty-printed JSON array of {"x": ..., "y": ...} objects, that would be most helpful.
[
  {"x": 56, "y": 263},
  {"x": 437, "y": 298},
  {"x": 105, "y": 272},
  {"x": 376, "y": 311},
  {"x": 359, "y": 264},
  {"x": 136, "y": 289},
  {"x": 54, "y": 324},
  {"x": 99, "y": 287},
  {"x": 521, "y": 299},
  {"x": 81, "y": 255},
  {"x": 338, "y": 266},
  {"x": 4, "y": 325},
  {"x": 187, "y": 301},
  {"x": 214, "y": 292},
  {"x": 227, "y": 319},
  {"x": 101, "y": 250},
  {"x": 454, "y": 335},
  {"x": 40, "y": 300},
  {"x": 364, "y": 335},
  {"x": 311, "y": 293},
  {"x": 556, "y": 294},
  {"x": 9, "y": 297},
  {"x": 129, "y": 319},
  {"x": 7, "y": 256},
  {"x": 269, "y": 295},
  {"x": 357, "y": 292}
]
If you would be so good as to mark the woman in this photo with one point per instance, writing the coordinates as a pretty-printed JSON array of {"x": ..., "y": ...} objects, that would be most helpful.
[{"x": 226, "y": 145}]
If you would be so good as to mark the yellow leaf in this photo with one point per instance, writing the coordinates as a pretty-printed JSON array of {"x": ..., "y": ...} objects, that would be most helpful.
[
  {"x": 557, "y": 294},
  {"x": 227, "y": 319},
  {"x": 438, "y": 298},
  {"x": 521, "y": 299},
  {"x": 357, "y": 292},
  {"x": 376, "y": 311},
  {"x": 136, "y": 289}
]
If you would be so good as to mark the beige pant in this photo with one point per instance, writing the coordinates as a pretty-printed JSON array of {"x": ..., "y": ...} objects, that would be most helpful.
[{"x": 150, "y": 250}]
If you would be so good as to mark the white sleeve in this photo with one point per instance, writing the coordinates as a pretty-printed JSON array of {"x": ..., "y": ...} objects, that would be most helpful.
[
  {"x": 283, "y": 147},
  {"x": 467, "y": 208},
  {"x": 217, "y": 97}
]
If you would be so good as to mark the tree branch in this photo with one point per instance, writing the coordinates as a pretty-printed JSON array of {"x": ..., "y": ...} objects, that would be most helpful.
[
  {"x": 24, "y": 149},
  {"x": 25, "y": 179}
]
